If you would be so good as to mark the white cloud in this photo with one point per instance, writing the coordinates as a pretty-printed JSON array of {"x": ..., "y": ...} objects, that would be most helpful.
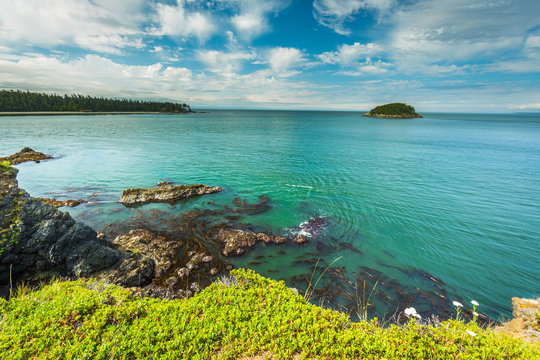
[
  {"x": 457, "y": 31},
  {"x": 224, "y": 63},
  {"x": 335, "y": 13},
  {"x": 368, "y": 67},
  {"x": 356, "y": 59},
  {"x": 94, "y": 75},
  {"x": 175, "y": 20},
  {"x": 282, "y": 59},
  {"x": 251, "y": 21},
  {"x": 103, "y": 26},
  {"x": 526, "y": 106},
  {"x": 347, "y": 55}
]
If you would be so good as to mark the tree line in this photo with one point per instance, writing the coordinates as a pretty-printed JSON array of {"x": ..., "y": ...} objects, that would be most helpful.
[{"x": 18, "y": 100}]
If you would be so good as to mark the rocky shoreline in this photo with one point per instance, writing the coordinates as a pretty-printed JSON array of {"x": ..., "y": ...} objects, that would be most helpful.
[{"x": 38, "y": 242}]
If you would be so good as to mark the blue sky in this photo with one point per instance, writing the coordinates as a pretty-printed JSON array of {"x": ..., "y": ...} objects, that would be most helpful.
[{"x": 438, "y": 55}]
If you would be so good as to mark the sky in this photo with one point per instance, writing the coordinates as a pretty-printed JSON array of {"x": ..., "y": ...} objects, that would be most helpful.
[{"x": 437, "y": 55}]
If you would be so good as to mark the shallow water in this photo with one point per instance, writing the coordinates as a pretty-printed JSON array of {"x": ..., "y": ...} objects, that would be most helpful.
[{"x": 447, "y": 204}]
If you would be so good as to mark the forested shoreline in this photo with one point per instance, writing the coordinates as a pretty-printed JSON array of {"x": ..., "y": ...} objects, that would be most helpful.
[{"x": 25, "y": 101}]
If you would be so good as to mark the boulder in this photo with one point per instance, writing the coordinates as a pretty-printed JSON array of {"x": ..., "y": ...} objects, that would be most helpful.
[{"x": 165, "y": 192}]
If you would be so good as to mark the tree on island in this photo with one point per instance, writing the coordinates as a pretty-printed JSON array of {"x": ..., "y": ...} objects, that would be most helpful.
[
  {"x": 30, "y": 101},
  {"x": 393, "y": 110}
]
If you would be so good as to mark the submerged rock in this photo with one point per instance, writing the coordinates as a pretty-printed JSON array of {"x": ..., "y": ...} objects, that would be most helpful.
[
  {"x": 60, "y": 203},
  {"x": 26, "y": 154},
  {"x": 165, "y": 192}
]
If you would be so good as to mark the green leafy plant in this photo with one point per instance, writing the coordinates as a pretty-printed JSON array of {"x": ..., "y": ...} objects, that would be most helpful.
[
  {"x": 236, "y": 318},
  {"x": 6, "y": 165}
]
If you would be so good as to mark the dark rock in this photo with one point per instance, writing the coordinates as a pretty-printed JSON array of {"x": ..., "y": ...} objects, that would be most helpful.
[
  {"x": 300, "y": 239},
  {"x": 165, "y": 192},
  {"x": 39, "y": 241},
  {"x": 26, "y": 154}
]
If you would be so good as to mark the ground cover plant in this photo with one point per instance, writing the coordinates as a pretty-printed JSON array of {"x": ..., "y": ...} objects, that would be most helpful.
[{"x": 238, "y": 317}]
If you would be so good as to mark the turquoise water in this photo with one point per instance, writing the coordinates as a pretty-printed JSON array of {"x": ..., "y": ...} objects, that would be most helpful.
[{"x": 448, "y": 204}]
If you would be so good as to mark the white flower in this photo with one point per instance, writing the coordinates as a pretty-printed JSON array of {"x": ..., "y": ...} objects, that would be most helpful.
[
  {"x": 475, "y": 313},
  {"x": 410, "y": 312},
  {"x": 417, "y": 315},
  {"x": 474, "y": 302},
  {"x": 458, "y": 304},
  {"x": 472, "y": 333}
]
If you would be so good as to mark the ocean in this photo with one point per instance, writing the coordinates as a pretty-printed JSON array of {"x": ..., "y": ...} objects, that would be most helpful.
[{"x": 414, "y": 212}]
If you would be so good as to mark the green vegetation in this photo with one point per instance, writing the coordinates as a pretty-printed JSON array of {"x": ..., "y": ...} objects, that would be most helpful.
[
  {"x": 29, "y": 101},
  {"x": 5, "y": 165},
  {"x": 239, "y": 317},
  {"x": 394, "y": 110}
]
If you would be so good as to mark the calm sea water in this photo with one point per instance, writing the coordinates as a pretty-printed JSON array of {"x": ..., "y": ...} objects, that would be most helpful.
[{"x": 425, "y": 211}]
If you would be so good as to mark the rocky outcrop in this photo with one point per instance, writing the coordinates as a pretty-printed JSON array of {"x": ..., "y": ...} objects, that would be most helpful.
[
  {"x": 525, "y": 323},
  {"x": 37, "y": 240},
  {"x": 60, "y": 203},
  {"x": 165, "y": 192},
  {"x": 26, "y": 154},
  {"x": 235, "y": 242}
]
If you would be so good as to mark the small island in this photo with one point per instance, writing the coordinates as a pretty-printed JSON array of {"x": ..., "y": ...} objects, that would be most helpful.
[{"x": 393, "y": 111}]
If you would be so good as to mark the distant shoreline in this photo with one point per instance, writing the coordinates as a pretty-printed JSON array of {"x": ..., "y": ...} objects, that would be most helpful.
[{"x": 28, "y": 113}]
